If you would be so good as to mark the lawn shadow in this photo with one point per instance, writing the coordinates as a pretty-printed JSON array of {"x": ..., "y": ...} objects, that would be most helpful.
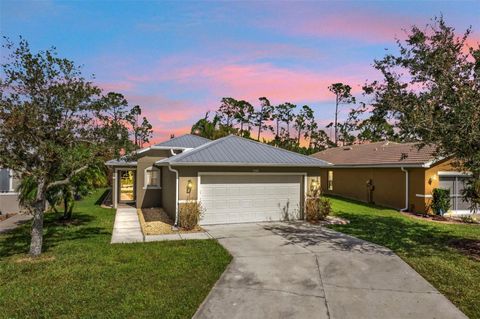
[
  {"x": 55, "y": 232},
  {"x": 104, "y": 195}
]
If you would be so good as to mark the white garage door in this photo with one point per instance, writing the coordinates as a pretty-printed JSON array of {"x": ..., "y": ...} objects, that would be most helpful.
[{"x": 249, "y": 198}]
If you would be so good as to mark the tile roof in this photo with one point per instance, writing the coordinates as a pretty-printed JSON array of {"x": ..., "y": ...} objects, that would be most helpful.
[
  {"x": 380, "y": 153},
  {"x": 234, "y": 150},
  {"x": 185, "y": 141}
]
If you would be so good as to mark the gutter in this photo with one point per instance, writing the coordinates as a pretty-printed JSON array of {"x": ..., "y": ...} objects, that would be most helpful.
[
  {"x": 176, "y": 188},
  {"x": 406, "y": 189},
  {"x": 176, "y": 193}
]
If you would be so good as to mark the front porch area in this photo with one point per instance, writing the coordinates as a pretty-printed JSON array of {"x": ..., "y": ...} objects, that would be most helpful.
[{"x": 124, "y": 188}]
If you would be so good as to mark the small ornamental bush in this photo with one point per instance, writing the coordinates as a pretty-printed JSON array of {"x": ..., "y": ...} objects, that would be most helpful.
[
  {"x": 190, "y": 214},
  {"x": 440, "y": 201},
  {"x": 317, "y": 207}
]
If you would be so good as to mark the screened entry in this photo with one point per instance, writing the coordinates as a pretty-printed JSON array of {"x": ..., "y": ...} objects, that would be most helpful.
[{"x": 455, "y": 184}]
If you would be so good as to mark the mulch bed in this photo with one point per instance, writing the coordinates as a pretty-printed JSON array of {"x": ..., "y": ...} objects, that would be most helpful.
[
  {"x": 433, "y": 218},
  {"x": 470, "y": 247},
  {"x": 5, "y": 216},
  {"x": 155, "y": 221}
]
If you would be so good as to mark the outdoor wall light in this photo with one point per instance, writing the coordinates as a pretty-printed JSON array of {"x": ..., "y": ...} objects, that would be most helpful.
[
  {"x": 189, "y": 186},
  {"x": 313, "y": 185},
  {"x": 432, "y": 179}
]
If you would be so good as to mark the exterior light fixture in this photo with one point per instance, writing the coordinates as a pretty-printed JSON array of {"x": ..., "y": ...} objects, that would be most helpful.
[
  {"x": 189, "y": 186},
  {"x": 313, "y": 185},
  {"x": 432, "y": 179}
]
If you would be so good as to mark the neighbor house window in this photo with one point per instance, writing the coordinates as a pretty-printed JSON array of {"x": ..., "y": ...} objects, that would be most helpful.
[
  {"x": 5, "y": 180},
  {"x": 152, "y": 177},
  {"x": 330, "y": 180}
]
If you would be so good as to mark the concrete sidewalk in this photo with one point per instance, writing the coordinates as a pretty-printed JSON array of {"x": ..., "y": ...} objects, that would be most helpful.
[
  {"x": 13, "y": 222},
  {"x": 127, "y": 227},
  {"x": 297, "y": 270}
]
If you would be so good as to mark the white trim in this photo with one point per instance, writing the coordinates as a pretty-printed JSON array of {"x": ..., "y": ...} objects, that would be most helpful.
[
  {"x": 183, "y": 201},
  {"x": 10, "y": 182},
  {"x": 9, "y": 194},
  {"x": 115, "y": 188},
  {"x": 161, "y": 148},
  {"x": 233, "y": 164},
  {"x": 423, "y": 195},
  {"x": 252, "y": 173},
  {"x": 454, "y": 173},
  {"x": 379, "y": 166},
  {"x": 176, "y": 193}
]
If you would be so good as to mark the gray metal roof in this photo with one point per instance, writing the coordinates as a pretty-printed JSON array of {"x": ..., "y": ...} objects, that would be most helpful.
[
  {"x": 185, "y": 141},
  {"x": 234, "y": 150},
  {"x": 120, "y": 162}
]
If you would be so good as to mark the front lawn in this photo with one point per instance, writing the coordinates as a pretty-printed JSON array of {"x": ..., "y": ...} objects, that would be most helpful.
[
  {"x": 426, "y": 246},
  {"x": 82, "y": 275}
]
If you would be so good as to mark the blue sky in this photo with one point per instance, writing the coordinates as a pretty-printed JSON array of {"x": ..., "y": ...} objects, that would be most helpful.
[{"x": 178, "y": 59}]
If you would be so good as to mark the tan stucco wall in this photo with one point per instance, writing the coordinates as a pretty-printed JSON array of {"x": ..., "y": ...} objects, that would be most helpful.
[
  {"x": 351, "y": 183},
  {"x": 168, "y": 192},
  {"x": 9, "y": 203},
  {"x": 389, "y": 184},
  {"x": 149, "y": 197}
]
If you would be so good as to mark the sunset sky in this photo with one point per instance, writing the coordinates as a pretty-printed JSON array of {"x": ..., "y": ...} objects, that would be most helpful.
[{"x": 178, "y": 59}]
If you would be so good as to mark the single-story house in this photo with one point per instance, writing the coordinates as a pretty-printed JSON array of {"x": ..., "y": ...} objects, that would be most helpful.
[
  {"x": 8, "y": 195},
  {"x": 396, "y": 175},
  {"x": 235, "y": 179}
]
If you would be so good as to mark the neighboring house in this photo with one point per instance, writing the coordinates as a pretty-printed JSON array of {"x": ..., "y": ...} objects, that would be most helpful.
[
  {"x": 8, "y": 195},
  {"x": 235, "y": 179},
  {"x": 396, "y": 175}
]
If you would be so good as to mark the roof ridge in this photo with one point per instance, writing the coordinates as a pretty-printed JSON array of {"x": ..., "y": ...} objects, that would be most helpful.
[
  {"x": 278, "y": 148},
  {"x": 196, "y": 149},
  {"x": 183, "y": 135}
]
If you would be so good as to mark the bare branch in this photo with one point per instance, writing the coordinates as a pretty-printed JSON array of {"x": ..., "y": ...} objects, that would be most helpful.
[{"x": 67, "y": 180}]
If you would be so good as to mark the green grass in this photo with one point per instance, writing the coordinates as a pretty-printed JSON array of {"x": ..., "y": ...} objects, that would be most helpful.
[
  {"x": 81, "y": 275},
  {"x": 423, "y": 245}
]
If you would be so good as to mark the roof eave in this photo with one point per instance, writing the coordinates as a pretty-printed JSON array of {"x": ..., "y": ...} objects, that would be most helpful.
[{"x": 233, "y": 164}]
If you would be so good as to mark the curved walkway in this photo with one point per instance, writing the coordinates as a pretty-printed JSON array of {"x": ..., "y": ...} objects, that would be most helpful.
[{"x": 297, "y": 270}]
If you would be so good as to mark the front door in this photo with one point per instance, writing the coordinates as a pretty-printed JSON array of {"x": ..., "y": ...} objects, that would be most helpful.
[{"x": 126, "y": 186}]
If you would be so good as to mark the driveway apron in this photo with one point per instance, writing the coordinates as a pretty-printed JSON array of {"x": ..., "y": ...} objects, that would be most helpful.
[{"x": 297, "y": 270}]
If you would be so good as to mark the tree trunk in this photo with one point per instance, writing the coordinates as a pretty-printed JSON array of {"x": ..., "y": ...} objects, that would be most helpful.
[
  {"x": 37, "y": 225},
  {"x": 336, "y": 117},
  {"x": 259, "y": 130}
]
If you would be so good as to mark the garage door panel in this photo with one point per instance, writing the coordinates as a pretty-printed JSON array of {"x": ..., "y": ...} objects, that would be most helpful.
[{"x": 249, "y": 198}]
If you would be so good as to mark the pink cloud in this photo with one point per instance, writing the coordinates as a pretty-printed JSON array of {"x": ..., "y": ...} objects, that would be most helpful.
[{"x": 251, "y": 81}]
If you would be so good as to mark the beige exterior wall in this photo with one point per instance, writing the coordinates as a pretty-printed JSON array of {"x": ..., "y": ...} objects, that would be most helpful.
[
  {"x": 9, "y": 203},
  {"x": 149, "y": 197},
  {"x": 389, "y": 185},
  {"x": 168, "y": 192}
]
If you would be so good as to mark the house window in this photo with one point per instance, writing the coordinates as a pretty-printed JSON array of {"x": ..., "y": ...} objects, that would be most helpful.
[
  {"x": 330, "y": 180},
  {"x": 152, "y": 177},
  {"x": 5, "y": 180}
]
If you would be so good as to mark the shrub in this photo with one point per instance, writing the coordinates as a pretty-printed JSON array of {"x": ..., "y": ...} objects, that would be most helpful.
[
  {"x": 440, "y": 201},
  {"x": 317, "y": 207},
  {"x": 190, "y": 214}
]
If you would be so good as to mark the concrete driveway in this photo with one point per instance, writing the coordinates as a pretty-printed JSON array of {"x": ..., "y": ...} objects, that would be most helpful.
[{"x": 296, "y": 270}]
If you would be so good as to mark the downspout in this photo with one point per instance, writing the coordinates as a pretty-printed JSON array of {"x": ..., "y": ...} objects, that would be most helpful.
[
  {"x": 176, "y": 188},
  {"x": 406, "y": 190}
]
